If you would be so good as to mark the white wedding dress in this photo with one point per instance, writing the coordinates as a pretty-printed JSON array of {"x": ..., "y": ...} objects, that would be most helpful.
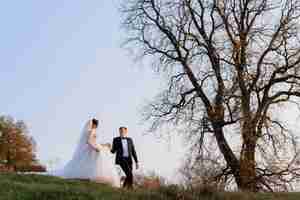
[{"x": 87, "y": 163}]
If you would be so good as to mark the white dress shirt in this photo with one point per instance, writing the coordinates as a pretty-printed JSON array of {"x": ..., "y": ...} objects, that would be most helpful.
[{"x": 125, "y": 147}]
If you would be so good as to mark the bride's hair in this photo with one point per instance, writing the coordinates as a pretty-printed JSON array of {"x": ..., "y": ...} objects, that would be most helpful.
[{"x": 95, "y": 122}]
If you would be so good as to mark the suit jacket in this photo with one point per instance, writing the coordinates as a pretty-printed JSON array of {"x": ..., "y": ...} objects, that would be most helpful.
[{"x": 118, "y": 149}]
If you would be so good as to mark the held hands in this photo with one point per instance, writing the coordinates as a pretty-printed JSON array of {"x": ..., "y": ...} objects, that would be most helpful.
[
  {"x": 101, "y": 146},
  {"x": 108, "y": 145}
]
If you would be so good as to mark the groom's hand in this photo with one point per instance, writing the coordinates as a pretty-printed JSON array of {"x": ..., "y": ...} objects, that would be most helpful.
[{"x": 108, "y": 145}]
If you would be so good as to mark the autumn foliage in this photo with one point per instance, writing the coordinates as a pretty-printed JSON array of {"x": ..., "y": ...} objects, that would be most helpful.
[{"x": 17, "y": 148}]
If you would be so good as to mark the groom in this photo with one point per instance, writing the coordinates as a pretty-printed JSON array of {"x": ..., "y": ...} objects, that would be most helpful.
[{"x": 124, "y": 148}]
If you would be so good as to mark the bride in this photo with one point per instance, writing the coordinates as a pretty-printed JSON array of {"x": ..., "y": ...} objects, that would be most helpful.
[{"x": 91, "y": 160}]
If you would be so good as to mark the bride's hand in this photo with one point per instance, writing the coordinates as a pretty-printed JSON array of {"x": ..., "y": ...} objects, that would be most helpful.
[{"x": 98, "y": 148}]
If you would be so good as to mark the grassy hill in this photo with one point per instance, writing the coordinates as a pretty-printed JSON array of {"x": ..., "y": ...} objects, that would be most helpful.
[{"x": 37, "y": 187}]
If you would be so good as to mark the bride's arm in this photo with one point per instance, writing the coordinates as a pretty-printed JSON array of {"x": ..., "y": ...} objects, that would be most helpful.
[
  {"x": 92, "y": 143},
  {"x": 91, "y": 140},
  {"x": 107, "y": 145}
]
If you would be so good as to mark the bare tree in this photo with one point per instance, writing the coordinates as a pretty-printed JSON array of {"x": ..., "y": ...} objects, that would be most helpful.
[
  {"x": 232, "y": 63},
  {"x": 208, "y": 171}
]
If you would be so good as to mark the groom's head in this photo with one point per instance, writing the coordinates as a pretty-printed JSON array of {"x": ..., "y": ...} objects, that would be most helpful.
[{"x": 123, "y": 131}]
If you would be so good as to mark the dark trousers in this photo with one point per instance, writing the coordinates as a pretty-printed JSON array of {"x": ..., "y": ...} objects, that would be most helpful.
[{"x": 126, "y": 166}]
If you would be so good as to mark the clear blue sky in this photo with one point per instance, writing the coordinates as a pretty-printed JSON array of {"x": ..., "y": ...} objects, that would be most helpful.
[{"x": 61, "y": 63}]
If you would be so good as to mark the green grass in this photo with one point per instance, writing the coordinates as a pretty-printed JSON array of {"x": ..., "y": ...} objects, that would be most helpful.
[{"x": 37, "y": 187}]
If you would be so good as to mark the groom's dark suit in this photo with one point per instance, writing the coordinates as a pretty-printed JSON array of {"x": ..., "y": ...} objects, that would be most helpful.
[{"x": 125, "y": 162}]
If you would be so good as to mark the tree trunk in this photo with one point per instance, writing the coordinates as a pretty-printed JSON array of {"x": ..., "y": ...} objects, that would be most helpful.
[
  {"x": 216, "y": 116},
  {"x": 227, "y": 152},
  {"x": 247, "y": 159}
]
